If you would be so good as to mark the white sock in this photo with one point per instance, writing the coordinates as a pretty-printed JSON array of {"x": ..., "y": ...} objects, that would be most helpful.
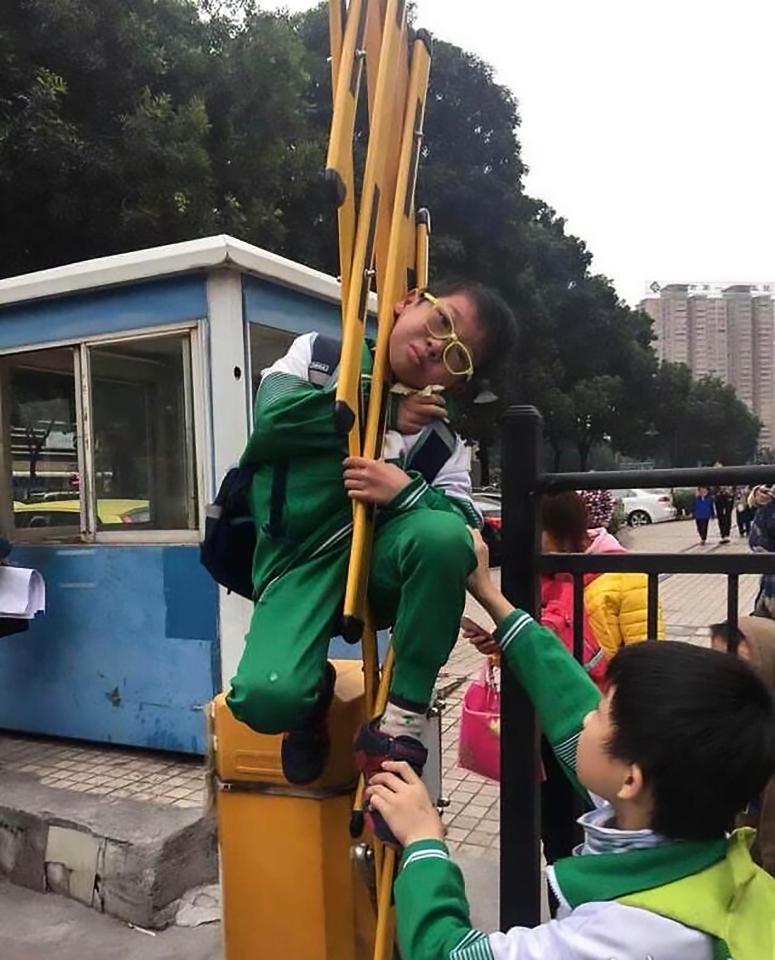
[{"x": 397, "y": 722}]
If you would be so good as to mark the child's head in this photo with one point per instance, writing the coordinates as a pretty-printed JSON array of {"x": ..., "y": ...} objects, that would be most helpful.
[
  {"x": 564, "y": 522},
  {"x": 702, "y": 491},
  {"x": 684, "y": 738},
  {"x": 449, "y": 333},
  {"x": 753, "y": 641}
]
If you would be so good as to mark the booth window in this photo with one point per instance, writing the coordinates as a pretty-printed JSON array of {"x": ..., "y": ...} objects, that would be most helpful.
[
  {"x": 266, "y": 345},
  {"x": 42, "y": 422},
  {"x": 143, "y": 443},
  {"x": 130, "y": 465}
]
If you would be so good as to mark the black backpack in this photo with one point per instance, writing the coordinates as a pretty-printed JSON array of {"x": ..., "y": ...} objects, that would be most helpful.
[
  {"x": 230, "y": 534},
  {"x": 230, "y": 531}
]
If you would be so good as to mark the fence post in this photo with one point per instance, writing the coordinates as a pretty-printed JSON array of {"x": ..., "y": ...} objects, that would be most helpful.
[{"x": 520, "y": 862}]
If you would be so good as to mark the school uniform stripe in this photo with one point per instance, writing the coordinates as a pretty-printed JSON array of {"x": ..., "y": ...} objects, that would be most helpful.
[
  {"x": 410, "y": 494},
  {"x": 412, "y": 500},
  {"x": 333, "y": 539},
  {"x": 425, "y": 855},
  {"x": 515, "y": 629},
  {"x": 566, "y": 751},
  {"x": 474, "y": 946},
  {"x": 468, "y": 510}
]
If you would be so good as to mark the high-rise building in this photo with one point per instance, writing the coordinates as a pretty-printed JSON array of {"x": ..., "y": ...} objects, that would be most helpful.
[{"x": 727, "y": 330}]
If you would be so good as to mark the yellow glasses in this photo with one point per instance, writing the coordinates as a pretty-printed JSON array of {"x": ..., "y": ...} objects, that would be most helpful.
[{"x": 456, "y": 356}]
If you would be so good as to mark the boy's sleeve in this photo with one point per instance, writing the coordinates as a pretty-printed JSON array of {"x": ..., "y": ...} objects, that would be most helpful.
[
  {"x": 559, "y": 687},
  {"x": 450, "y": 491},
  {"x": 291, "y": 416},
  {"x": 434, "y": 922}
]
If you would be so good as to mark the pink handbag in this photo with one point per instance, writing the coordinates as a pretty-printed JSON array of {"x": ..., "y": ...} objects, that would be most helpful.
[{"x": 479, "y": 747}]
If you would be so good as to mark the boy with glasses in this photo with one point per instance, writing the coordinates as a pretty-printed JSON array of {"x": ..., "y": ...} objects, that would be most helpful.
[{"x": 301, "y": 498}]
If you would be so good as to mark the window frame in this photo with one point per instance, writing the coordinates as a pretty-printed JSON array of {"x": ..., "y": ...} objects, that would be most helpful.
[{"x": 194, "y": 386}]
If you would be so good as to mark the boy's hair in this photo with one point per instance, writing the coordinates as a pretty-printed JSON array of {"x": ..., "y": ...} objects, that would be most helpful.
[
  {"x": 499, "y": 323},
  {"x": 564, "y": 517},
  {"x": 700, "y": 724}
]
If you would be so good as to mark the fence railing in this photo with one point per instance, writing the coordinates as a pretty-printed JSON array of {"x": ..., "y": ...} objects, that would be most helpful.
[{"x": 524, "y": 483}]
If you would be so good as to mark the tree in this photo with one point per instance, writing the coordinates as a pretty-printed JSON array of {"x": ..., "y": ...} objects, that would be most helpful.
[
  {"x": 716, "y": 426},
  {"x": 131, "y": 125}
]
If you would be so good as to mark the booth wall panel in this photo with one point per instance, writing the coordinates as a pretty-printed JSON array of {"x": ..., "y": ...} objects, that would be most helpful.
[
  {"x": 126, "y": 653},
  {"x": 151, "y": 304}
]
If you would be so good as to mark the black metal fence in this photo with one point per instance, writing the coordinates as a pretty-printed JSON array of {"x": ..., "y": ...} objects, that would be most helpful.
[{"x": 524, "y": 483}]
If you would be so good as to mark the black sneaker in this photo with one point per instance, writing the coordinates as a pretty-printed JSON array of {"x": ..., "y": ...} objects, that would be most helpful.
[{"x": 305, "y": 750}]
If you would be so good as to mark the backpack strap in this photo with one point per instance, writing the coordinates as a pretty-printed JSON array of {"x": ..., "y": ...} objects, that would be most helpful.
[
  {"x": 436, "y": 445},
  {"x": 324, "y": 361}
]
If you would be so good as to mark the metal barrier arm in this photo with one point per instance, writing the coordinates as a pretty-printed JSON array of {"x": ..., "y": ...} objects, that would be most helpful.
[{"x": 678, "y": 477}]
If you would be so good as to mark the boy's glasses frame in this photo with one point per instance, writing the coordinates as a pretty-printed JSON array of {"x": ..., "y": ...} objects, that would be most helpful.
[{"x": 444, "y": 330}]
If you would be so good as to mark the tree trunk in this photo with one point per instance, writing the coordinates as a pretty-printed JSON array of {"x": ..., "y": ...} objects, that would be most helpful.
[{"x": 584, "y": 449}]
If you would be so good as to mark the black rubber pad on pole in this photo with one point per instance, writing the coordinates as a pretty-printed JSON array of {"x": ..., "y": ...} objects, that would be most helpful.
[
  {"x": 344, "y": 418},
  {"x": 352, "y": 629},
  {"x": 335, "y": 186},
  {"x": 356, "y": 824}
]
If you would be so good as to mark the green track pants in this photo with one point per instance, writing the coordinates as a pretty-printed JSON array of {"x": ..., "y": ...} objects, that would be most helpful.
[{"x": 420, "y": 562}]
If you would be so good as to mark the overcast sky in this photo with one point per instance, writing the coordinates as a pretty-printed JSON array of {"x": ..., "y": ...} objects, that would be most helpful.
[{"x": 647, "y": 125}]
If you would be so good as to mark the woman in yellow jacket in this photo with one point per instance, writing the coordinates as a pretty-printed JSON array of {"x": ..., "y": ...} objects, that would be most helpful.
[{"x": 616, "y": 604}]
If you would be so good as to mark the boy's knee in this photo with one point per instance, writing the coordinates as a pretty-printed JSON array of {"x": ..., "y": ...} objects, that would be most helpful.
[
  {"x": 269, "y": 704},
  {"x": 444, "y": 539}
]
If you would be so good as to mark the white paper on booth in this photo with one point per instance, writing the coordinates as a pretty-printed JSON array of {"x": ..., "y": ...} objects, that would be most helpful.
[{"x": 22, "y": 592}]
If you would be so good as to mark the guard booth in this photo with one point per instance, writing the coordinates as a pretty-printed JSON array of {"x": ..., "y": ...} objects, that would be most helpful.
[{"x": 126, "y": 388}]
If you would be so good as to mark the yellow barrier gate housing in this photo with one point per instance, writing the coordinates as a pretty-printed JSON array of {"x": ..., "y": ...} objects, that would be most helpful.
[{"x": 292, "y": 886}]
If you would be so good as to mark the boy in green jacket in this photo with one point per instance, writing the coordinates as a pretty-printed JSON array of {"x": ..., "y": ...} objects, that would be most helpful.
[
  {"x": 681, "y": 741},
  {"x": 301, "y": 499}
]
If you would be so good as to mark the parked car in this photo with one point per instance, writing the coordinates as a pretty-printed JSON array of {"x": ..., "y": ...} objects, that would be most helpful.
[
  {"x": 490, "y": 507},
  {"x": 642, "y": 507},
  {"x": 63, "y": 513}
]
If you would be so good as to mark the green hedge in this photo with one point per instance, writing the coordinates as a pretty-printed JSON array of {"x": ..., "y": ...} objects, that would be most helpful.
[{"x": 682, "y": 500}]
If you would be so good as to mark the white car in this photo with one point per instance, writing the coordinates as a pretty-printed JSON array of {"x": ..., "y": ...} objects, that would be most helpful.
[{"x": 646, "y": 506}]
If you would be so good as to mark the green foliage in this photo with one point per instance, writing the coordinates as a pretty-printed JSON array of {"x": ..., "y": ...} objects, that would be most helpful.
[
  {"x": 124, "y": 125},
  {"x": 682, "y": 500}
]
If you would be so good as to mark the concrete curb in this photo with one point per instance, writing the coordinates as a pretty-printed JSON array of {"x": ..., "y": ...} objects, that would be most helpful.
[{"x": 129, "y": 859}]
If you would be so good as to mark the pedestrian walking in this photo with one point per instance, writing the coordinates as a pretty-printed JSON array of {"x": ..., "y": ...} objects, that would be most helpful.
[
  {"x": 743, "y": 512},
  {"x": 723, "y": 503},
  {"x": 703, "y": 511}
]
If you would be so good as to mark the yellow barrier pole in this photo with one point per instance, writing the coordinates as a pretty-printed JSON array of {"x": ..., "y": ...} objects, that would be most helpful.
[{"x": 347, "y": 59}]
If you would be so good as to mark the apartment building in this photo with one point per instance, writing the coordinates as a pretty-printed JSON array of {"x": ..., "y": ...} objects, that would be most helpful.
[{"x": 727, "y": 330}]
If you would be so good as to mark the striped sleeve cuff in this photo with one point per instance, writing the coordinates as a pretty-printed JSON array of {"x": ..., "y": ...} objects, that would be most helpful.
[
  {"x": 511, "y": 627},
  {"x": 422, "y": 850},
  {"x": 410, "y": 496},
  {"x": 475, "y": 945},
  {"x": 469, "y": 511}
]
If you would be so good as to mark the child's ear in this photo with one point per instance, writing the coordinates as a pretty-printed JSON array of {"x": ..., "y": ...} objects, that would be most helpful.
[
  {"x": 633, "y": 785},
  {"x": 411, "y": 298}
]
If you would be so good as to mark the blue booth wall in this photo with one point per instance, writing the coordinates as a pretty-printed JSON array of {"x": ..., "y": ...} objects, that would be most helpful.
[
  {"x": 285, "y": 309},
  {"x": 149, "y": 304},
  {"x": 127, "y": 651}
]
